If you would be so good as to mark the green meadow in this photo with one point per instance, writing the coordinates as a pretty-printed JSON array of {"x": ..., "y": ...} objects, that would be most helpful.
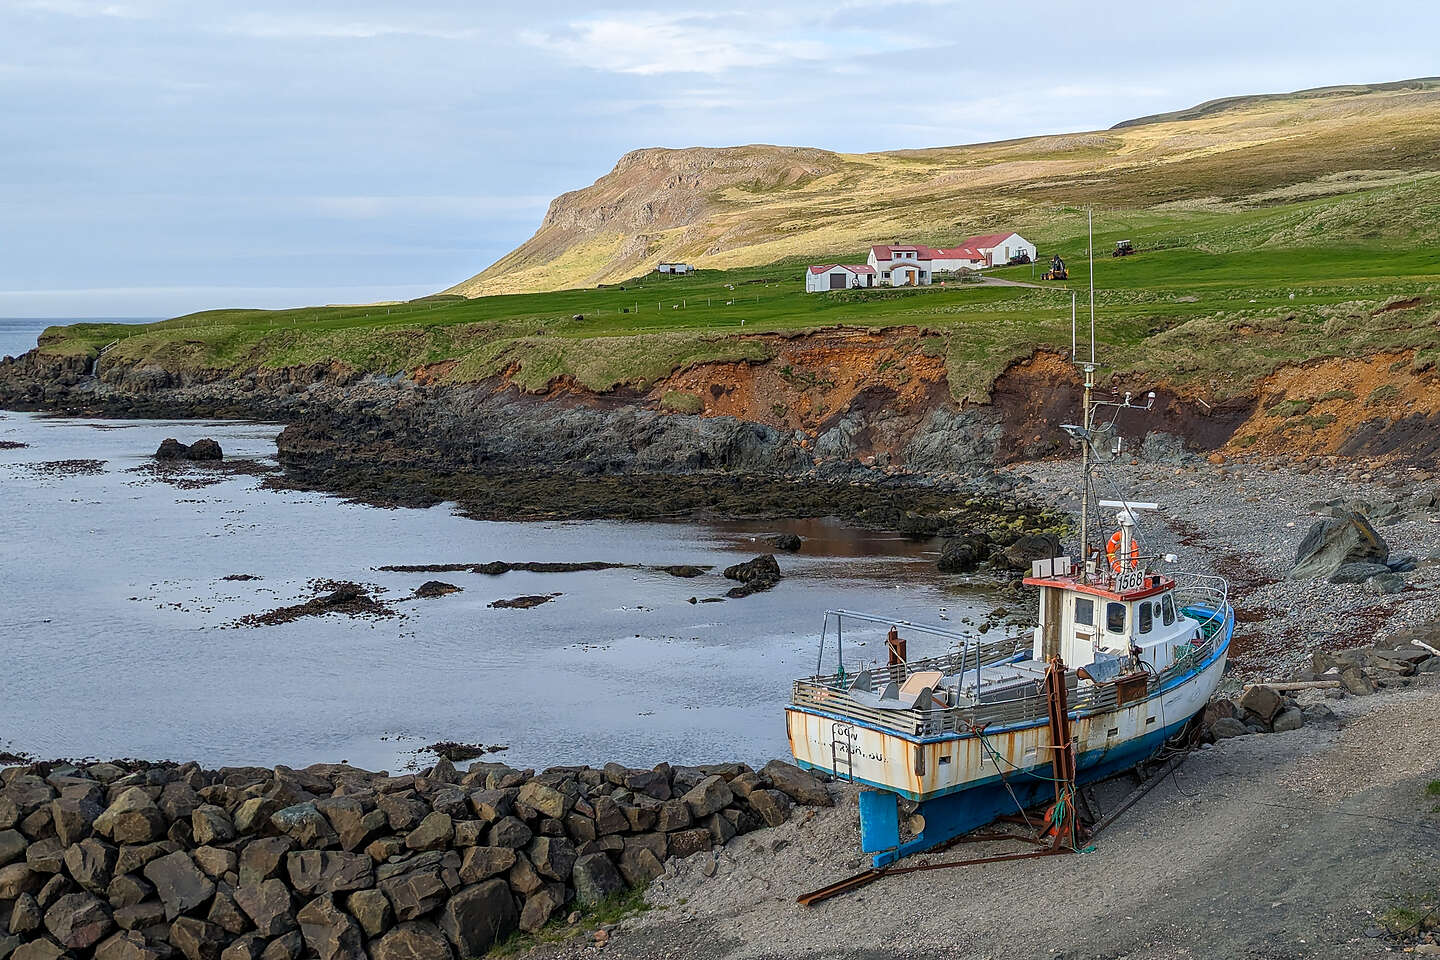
[{"x": 1215, "y": 298}]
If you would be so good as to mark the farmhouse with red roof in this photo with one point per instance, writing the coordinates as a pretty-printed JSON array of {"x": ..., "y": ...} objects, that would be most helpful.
[{"x": 915, "y": 265}]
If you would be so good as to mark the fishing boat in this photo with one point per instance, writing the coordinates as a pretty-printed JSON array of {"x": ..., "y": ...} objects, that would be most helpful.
[{"x": 1126, "y": 651}]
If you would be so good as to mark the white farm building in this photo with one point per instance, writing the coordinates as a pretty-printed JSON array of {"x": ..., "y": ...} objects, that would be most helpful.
[
  {"x": 838, "y": 276},
  {"x": 900, "y": 265},
  {"x": 675, "y": 268}
]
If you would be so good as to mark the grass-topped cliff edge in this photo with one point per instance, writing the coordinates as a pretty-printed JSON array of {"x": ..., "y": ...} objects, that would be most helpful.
[{"x": 1272, "y": 232}]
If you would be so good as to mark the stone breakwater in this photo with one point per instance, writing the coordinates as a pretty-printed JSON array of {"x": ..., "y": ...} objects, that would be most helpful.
[{"x": 149, "y": 862}]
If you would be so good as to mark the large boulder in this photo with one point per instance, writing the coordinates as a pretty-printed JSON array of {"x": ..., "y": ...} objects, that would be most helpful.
[
  {"x": 755, "y": 575},
  {"x": 12, "y": 846},
  {"x": 708, "y": 796},
  {"x": 268, "y": 905},
  {"x": 264, "y": 858},
  {"x": 197, "y": 939},
  {"x": 639, "y": 865},
  {"x": 79, "y": 920},
  {"x": 372, "y": 909},
  {"x": 329, "y": 871},
  {"x": 541, "y": 905},
  {"x": 482, "y": 863},
  {"x": 126, "y": 945},
  {"x": 414, "y": 894},
  {"x": 171, "y": 449},
  {"x": 772, "y": 806},
  {"x": 797, "y": 784},
  {"x": 1263, "y": 702},
  {"x": 1335, "y": 541},
  {"x": 133, "y": 818},
  {"x": 306, "y": 825},
  {"x": 179, "y": 883},
  {"x": 73, "y": 818},
  {"x": 434, "y": 832},
  {"x": 478, "y": 916},
  {"x": 553, "y": 857},
  {"x": 545, "y": 799},
  {"x": 330, "y": 932},
  {"x": 963, "y": 554},
  {"x": 413, "y": 941},
  {"x": 211, "y": 824},
  {"x": 204, "y": 449},
  {"x": 91, "y": 863},
  {"x": 596, "y": 879},
  {"x": 1027, "y": 549}
]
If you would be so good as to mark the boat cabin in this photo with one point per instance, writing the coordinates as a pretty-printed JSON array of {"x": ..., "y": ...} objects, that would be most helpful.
[{"x": 1094, "y": 619}]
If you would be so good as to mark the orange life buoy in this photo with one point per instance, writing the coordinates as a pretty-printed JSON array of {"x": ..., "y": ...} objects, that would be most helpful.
[{"x": 1112, "y": 552}]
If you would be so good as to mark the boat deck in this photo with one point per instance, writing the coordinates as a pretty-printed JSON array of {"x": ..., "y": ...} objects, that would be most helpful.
[{"x": 831, "y": 694}]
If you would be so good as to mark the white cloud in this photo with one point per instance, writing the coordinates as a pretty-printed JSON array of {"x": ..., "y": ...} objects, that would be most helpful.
[{"x": 657, "y": 43}]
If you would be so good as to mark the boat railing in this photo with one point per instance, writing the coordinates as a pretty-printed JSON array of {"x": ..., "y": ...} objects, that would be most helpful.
[
  {"x": 830, "y": 693},
  {"x": 1203, "y": 592}
]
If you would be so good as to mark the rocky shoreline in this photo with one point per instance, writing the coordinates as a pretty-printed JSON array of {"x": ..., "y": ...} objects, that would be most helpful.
[{"x": 138, "y": 861}]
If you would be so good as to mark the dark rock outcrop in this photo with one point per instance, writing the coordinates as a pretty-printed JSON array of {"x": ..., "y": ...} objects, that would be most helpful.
[{"x": 1335, "y": 541}]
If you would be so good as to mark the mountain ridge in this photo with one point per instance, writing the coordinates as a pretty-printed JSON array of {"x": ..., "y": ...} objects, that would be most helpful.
[{"x": 747, "y": 205}]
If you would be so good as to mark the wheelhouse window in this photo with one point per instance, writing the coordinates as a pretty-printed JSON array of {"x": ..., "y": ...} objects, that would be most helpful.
[
  {"x": 1168, "y": 608},
  {"x": 1084, "y": 611},
  {"x": 1115, "y": 617},
  {"x": 1147, "y": 620}
]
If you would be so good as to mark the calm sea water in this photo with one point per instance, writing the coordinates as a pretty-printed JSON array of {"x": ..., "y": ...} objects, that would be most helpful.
[{"x": 116, "y": 636}]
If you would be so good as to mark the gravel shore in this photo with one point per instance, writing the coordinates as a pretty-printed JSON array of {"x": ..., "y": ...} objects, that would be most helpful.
[
  {"x": 1286, "y": 845},
  {"x": 1243, "y": 522}
]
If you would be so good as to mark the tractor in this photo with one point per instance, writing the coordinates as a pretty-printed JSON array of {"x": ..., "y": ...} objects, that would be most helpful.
[
  {"x": 1123, "y": 248},
  {"x": 1057, "y": 270},
  {"x": 1020, "y": 258}
]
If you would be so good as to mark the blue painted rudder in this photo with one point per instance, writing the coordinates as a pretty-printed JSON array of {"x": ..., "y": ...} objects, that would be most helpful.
[{"x": 879, "y": 821}]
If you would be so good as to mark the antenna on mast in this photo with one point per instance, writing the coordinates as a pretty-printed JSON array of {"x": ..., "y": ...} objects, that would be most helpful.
[
  {"x": 1090, "y": 216},
  {"x": 1073, "y": 348}
]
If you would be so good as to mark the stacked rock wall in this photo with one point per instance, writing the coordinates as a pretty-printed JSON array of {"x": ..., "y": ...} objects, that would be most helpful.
[{"x": 154, "y": 862}]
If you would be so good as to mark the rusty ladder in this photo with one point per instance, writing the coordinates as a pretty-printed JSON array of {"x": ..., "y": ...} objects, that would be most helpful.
[{"x": 846, "y": 732}]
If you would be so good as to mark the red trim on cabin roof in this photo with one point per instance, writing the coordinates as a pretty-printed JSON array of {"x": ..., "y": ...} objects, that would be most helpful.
[
  {"x": 1158, "y": 585},
  {"x": 860, "y": 268}
]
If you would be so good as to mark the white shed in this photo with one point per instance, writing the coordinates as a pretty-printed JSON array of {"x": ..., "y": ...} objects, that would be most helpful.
[
  {"x": 838, "y": 276},
  {"x": 675, "y": 268}
]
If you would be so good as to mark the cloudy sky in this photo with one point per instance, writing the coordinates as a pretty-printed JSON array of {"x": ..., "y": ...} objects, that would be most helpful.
[{"x": 158, "y": 157}]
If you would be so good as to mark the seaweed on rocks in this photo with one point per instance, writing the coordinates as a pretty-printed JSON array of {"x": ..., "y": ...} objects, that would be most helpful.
[
  {"x": 524, "y": 603},
  {"x": 65, "y": 468},
  {"x": 497, "y": 567},
  {"x": 436, "y": 588},
  {"x": 343, "y": 597},
  {"x": 457, "y": 752}
]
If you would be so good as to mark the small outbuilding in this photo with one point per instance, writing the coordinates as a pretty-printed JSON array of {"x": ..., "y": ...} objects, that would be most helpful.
[
  {"x": 675, "y": 268},
  {"x": 838, "y": 276}
]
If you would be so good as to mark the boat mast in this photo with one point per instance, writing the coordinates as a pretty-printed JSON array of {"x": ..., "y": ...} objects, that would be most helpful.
[{"x": 1086, "y": 417}]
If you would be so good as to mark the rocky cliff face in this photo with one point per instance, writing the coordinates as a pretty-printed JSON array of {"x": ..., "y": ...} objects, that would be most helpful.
[{"x": 640, "y": 211}]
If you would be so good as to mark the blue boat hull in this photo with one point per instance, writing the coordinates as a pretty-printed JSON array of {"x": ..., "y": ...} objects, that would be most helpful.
[{"x": 953, "y": 815}]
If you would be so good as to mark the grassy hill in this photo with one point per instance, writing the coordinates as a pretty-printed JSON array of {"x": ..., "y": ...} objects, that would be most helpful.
[
  {"x": 1197, "y": 306},
  {"x": 746, "y": 206},
  {"x": 1271, "y": 231}
]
